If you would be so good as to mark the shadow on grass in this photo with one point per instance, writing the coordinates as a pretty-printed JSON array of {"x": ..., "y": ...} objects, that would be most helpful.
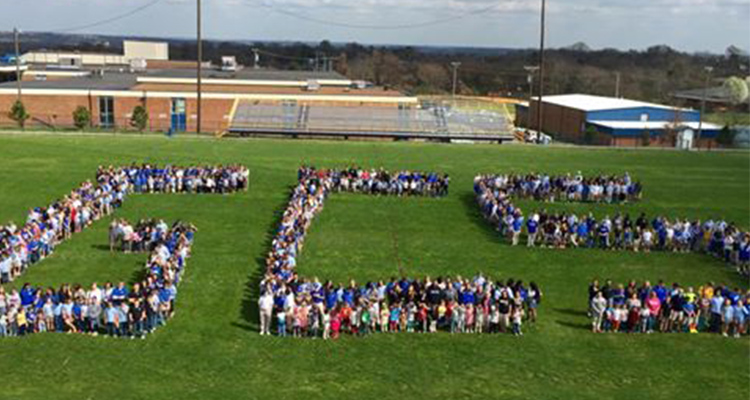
[
  {"x": 574, "y": 325},
  {"x": 249, "y": 312},
  {"x": 474, "y": 213},
  {"x": 570, "y": 311},
  {"x": 139, "y": 275},
  {"x": 102, "y": 247}
]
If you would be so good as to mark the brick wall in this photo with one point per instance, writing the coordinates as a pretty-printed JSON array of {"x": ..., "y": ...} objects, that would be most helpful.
[{"x": 58, "y": 111}]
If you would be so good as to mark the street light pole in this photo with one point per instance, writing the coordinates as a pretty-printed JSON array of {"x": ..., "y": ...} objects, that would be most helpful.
[
  {"x": 703, "y": 103},
  {"x": 18, "y": 63},
  {"x": 617, "y": 84},
  {"x": 455, "y": 65},
  {"x": 199, "y": 68},
  {"x": 542, "y": 32},
  {"x": 531, "y": 70}
]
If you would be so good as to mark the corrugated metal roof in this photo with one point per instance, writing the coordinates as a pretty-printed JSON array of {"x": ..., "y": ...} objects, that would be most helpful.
[
  {"x": 586, "y": 102},
  {"x": 652, "y": 125}
]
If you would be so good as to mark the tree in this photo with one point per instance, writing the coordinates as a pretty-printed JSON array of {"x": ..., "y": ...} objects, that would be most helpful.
[
  {"x": 18, "y": 113},
  {"x": 725, "y": 137},
  {"x": 590, "y": 135},
  {"x": 645, "y": 138},
  {"x": 737, "y": 89},
  {"x": 139, "y": 118},
  {"x": 81, "y": 117}
]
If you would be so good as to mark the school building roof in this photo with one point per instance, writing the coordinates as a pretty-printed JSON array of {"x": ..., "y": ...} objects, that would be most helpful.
[
  {"x": 587, "y": 102},
  {"x": 652, "y": 125}
]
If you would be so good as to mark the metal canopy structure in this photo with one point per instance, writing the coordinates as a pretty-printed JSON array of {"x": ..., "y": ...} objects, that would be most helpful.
[{"x": 433, "y": 123}]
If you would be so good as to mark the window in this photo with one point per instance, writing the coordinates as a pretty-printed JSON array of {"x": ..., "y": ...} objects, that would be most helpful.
[
  {"x": 106, "y": 112},
  {"x": 644, "y": 117}
]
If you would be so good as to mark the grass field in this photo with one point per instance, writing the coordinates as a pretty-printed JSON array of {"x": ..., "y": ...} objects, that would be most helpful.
[{"x": 211, "y": 349}]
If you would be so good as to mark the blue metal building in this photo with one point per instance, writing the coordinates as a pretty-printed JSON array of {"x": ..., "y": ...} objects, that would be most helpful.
[{"x": 618, "y": 122}]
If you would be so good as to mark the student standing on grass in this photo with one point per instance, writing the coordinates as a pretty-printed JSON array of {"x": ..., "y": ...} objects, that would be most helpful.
[
  {"x": 597, "y": 308},
  {"x": 717, "y": 303},
  {"x": 326, "y": 321},
  {"x": 517, "y": 321},
  {"x": 532, "y": 227},
  {"x": 740, "y": 314},
  {"x": 727, "y": 318},
  {"x": 533, "y": 298},
  {"x": 265, "y": 305}
]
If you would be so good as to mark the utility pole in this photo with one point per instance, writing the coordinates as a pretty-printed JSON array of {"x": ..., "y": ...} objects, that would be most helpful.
[
  {"x": 539, "y": 107},
  {"x": 708, "y": 69},
  {"x": 617, "y": 84},
  {"x": 18, "y": 63},
  {"x": 531, "y": 70},
  {"x": 256, "y": 59},
  {"x": 455, "y": 65},
  {"x": 199, "y": 68}
]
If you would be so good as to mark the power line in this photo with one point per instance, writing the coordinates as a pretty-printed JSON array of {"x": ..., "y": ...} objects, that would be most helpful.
[
  {"x": 110, "y": 19},
  {"x": 415, "y": 25}
]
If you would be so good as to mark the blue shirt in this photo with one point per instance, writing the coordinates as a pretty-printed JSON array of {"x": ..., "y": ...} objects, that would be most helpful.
[
  {"x": 661, "y": 293},
  {"x": 532, "y": 225},
  {"x": 119, "y": 293},
  {"x": 27, "y": 296},
  {"x": 716, "y": 303},
  {"x": 739, "y": 314},
  {"x": 331, "y": 299},
  {"x": 728, "y": 313},
  {"x": 112, "y": 314}
]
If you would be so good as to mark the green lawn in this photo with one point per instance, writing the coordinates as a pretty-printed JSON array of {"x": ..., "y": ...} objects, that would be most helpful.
[{"x": 211, "y": 349}]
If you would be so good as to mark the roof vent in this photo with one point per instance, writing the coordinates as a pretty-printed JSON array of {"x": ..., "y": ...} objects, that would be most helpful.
[
  {"x": 313, "y": 85},
  {"x": 138, "y": 64}
]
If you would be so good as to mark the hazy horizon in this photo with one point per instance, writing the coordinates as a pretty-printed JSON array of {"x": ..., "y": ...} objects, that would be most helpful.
[{"x": 685, "y": 25}]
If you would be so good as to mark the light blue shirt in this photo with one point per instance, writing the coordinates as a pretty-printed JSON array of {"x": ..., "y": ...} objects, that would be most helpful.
[{"x": 717, "y": 302}]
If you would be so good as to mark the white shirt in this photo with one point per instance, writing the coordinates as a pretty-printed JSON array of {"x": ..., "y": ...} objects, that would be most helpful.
[{"x": 265, "y": 303}]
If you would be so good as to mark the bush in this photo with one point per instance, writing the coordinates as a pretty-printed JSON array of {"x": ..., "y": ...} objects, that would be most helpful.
[
  {"x": 18, "y": 113},
  {"x": 590, "y": 135},
  {"x": 81, "y": 117},
  {"x": 645, "y": 138},
  {"x": 139, "y": 119},
  {"x": 725, "y": 137}
]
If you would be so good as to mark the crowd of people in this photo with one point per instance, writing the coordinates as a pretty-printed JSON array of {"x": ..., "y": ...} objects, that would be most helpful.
[
  {"x": 309, "y": 308},
  {"x": 142, "y": 236},
  {"x": 720, "y": 238},
  {"x": 647, "y": 308},
  {"x": 379, "y": 181},
  {"x": 117, "y": 310},
  {"x": 552, "y": 188},
  {"x": 45, "y": 227},
  {"x": 148, "y": 178}
]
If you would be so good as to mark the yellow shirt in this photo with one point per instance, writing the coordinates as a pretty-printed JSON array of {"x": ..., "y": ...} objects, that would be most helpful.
[
  {"x": 690, "y": 297},
  {"x": 21, "y": 318}
]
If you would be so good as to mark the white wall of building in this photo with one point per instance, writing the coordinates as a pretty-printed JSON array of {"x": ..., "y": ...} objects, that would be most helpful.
[{"x": 146, "y": 50}]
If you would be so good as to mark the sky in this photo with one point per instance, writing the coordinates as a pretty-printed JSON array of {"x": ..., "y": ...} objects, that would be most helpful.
[{"x": 688, "y": 25}]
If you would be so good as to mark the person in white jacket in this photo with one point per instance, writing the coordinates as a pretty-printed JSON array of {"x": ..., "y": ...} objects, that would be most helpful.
[{"x": 265, "y": 304}]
